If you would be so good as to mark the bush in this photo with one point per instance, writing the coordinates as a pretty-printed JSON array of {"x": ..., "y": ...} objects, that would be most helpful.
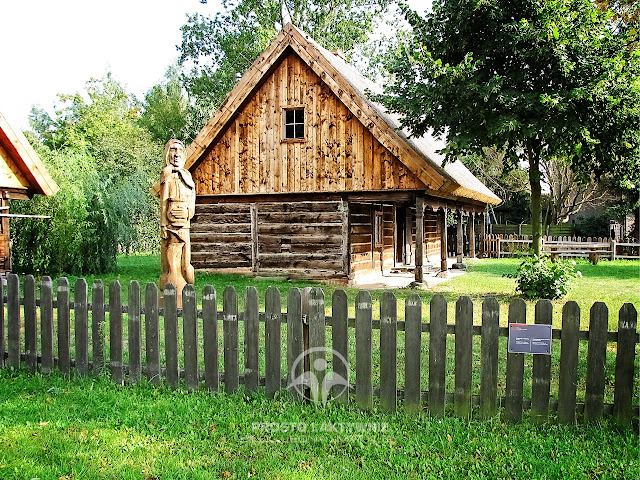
[
  {"x": 592, "y": 226},
  {"x": 539, "y": 277}
]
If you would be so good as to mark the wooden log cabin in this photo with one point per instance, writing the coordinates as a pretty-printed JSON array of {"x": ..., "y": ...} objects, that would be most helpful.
[
  {"x": 300, "y": 174},
  {"x": 22, "y": 175}
]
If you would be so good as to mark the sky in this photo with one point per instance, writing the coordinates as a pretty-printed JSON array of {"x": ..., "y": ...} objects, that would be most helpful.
[{"x": 56, "y": 46}]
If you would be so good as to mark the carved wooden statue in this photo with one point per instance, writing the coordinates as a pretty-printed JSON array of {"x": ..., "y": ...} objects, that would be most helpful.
[{"x": 177, "y": 206}]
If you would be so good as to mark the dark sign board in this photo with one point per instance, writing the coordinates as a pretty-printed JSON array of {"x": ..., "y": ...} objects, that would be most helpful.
[{"x": 532, "y": 338}]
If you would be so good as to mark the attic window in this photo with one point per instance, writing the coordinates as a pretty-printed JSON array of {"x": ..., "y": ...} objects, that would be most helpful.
[{"x": 294, "y": 124}]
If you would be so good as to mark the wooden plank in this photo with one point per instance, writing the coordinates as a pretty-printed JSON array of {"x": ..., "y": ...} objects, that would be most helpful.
[
  {"x": 463, "y": 356},
  {"x": 625, "y": 358},
  {"x": 515, "y": 367},
  {"x": 272, "y": 329},
  {"x": 301, "y": 217},
  {"x": 295, "y": 363},
  {"x": 171, "y": 334},
  {"x": 30, "y": 326},
  {"x": 596, "y": 362},
  {"x": 115, "y": 331},
  {"x": 210, "y": 334},
  {"x": 388, "y": 349},
  {"x": 81, "y": 326},
  {"x": 251, "y": 335},
  {"x": 152, "y": 333},
  {"x": 13, "y": 320},
  {"x": 64, "y": 327},
  {"x": 230, "y": 335},
  {"x": 317, "y": 342},
  {"x": 46, "y": 324},
  {"x": 437, "y": 354},
  {"x": 364, "y": 386},
  {"x": 97, "y": 324},
  {"x": 541, "y": 382},
  {"x": 568, "y": 363},
  {"x": 134, "y": 333},
  {"x": 190, "y": 337},
  {"x": 340, "y": 345},
  {"x": 489, "y": 357},
  {"x": 412, "y": 347},
  {"x": 443, "y": 243}
]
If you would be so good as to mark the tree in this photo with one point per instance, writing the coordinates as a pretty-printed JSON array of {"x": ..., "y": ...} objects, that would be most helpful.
[
  {"x": 219, "y": 50},
  {"x": 537, "y": 79}
]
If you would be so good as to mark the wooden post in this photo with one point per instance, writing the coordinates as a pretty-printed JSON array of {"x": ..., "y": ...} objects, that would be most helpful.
[
  {"x": 437, "y": 354},
  {"x": 460, "y": 238},
  {"x": 97, "y": 322},
  {"x": 210, "y": 334},
  {"x": 272, "y": 333},
  {"x": 294, "y": 339},
  {"x": 134, "y": 334},
  {"x": 64, "y": 327},
  {"x": 625, "y": 358},
  {"x": 152, "y": 333},
  {"x": 30, "y": 328},
  {"x": 489, "y": 357},
  {"x": 364, "y": 387},
  {"x": 46, "y": 324},
  {"x": 483, "y": 233},
  {"x": 596, "y": 362},
  {"x": 408, "y": 222},
  {"x": 251, "y": 339},
  {"x": 346, "y": 240},
  {"x": 230, "y": 334},
  {"x": 115, "y": 331},
  {"x": 388, "y": 351},
  {"x": 515, "y": 367},
  {"x": 419, "y": 273},
  {"x": 190, "y": 337},
  {"x": 568, "y": 363},
  {"x": 443, "y": 245},
  {"x": 412, "y": 345},
  {"x": 81, "y": 326},
  {"x": 541, "y": 382},
  {"x": 472, "y": 235},
  {"x": 340, "y": 344},
  {"x": 463, "y": 356},
  {"x": 171, "y": 334},
  {"x": 317, "y": 342}
]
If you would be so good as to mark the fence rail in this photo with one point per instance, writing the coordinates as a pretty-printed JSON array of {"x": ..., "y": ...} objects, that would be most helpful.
[
  {"x": 595, "y": 249},
  {"x": 306, "y": 333}
]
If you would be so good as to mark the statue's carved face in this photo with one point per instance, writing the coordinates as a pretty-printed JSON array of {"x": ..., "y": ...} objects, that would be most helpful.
[{"x": 176, "y": 155}]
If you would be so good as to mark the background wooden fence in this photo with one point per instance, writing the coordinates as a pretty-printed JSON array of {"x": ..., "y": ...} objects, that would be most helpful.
[{"x": 307, "y": 328}]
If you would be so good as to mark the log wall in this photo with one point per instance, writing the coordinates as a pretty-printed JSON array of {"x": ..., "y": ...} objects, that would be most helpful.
[{"x": 337, "y": 154}]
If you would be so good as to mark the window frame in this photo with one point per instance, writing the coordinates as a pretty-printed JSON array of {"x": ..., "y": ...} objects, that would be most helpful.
[{"x": 293, "y": 139}]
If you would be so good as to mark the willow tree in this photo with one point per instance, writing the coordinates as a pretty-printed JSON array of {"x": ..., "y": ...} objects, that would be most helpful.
[{"x": 537, "y": 79}]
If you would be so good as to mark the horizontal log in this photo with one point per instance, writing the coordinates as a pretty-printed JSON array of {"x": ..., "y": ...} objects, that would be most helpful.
[
  {"x": 360, "y": 247},
  {"x": 222, "y": 248},
  {"x": 305, "y": 273},
  {"x": 361, "y": 229},
  {"x": 300, "y": 217},
  {"x": 220, "y": 228},
  {"x": 218, "y": 218},
  {"x": 300, "y": 207},
  {"x": 222, "y": 208},
  {"x": 300, "y": 248},
  {"x": 362, "y": 238},
  {"x": 289, "y": 229},
  {"x": 215, "y": 237},
  {"x": 301, "y": 238},
  {"x": 292, "y": 260}
]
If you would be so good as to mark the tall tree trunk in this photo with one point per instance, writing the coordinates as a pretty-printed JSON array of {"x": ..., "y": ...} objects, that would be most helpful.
[{"x": 533, "y": 152}]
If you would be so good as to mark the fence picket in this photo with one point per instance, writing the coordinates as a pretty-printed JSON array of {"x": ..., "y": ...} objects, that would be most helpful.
[
  {"x": 340, "y": 343},
  {"x": 412, "y": 345},
  {"x": 489, "y": 357},
  {"x": 364, "y": 386},
  {"x": 81, "y": 326},
  {"x": 13, "y": 327},
  {"x": 568, "y": 363},
  {"x": 30, "y": 328},
  {"x": 210, "y": 334},
  {"x": 541, "y": 382},
  {"x": 251, "y": 342},
  {"x": 388, "y": 349},
  {"x": 190, "y": 337},
  {"x": 294, "y": 340},
  {"x": 437, "y": 354},
  {"x": 230, "y": 334},
  {"x": 596, "y": 361},
  {"x": 152, "y": 333},
  {"x": 463, "y": 356},
  {"x": 97, "y": 324},
  {"x": 115, "y": 332},
  {"x": 272, "y": 330},
  {"x": 134, "y": 334},
  {"x": 625, "y": 358},
  {"x": 515, "y": 367},
  {"x": 171, "y": 334},
  {"x": 64, "y": 327},
  {"x": 317, "y": 342}
]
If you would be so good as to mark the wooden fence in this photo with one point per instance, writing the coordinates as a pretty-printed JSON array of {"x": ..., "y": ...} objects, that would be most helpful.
[
  {"x": 595, "y": 249},
  {"x": 307, "y": 329}
]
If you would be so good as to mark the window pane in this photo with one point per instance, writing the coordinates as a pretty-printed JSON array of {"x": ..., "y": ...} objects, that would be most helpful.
[
  {"x": 299, "y": 114},
  {"x": 289, "y": 131},
  {"x": 299, "y": 130},
  {"x": 288, "y": 116}
]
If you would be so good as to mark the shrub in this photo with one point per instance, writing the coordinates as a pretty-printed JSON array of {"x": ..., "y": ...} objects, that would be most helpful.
[{"x": 539, "y": 277}]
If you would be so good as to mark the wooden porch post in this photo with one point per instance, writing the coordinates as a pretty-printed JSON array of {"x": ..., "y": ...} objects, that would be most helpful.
[
  {"x": 443, "y": 244},
  {"x": 472, "y": 235},
  {"x": 460, "y": 238},
  {"x": 419, "y": 239},
  {"x": 483, "y": 234}
]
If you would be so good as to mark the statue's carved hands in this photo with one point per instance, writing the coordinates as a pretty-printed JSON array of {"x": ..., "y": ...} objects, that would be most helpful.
[{"x": 163, "y": 232}]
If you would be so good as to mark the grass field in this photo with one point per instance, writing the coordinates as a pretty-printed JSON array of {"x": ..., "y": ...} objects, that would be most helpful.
[{"x": 51, "y": 428}]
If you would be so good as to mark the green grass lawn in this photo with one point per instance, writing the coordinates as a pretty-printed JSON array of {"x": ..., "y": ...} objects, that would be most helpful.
[{"x": 51, "y": 428}]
